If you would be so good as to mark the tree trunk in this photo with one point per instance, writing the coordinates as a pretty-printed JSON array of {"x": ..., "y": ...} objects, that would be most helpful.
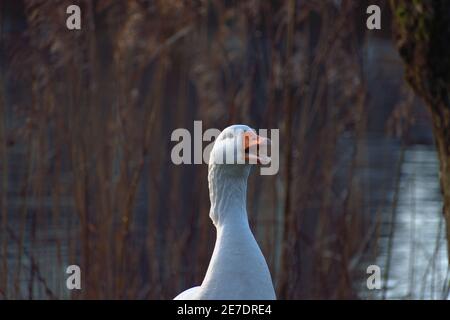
[{"x": 422, "y": 34}]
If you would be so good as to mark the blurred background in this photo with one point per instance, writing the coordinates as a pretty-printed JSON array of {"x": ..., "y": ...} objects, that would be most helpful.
[{"x": 85, "y": 170}]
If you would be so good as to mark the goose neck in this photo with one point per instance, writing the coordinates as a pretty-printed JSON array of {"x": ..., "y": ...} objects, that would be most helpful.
[{"x": 228, "y": 197}]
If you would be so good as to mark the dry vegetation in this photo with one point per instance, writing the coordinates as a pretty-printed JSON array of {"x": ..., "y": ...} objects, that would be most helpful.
[{"x": 85, "y": 144}]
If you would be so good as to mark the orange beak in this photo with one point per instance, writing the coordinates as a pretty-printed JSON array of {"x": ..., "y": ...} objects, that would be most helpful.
[{"x": 253, "y": 145}]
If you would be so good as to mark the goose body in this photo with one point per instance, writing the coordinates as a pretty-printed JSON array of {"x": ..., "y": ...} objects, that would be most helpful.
[{"x": 238, "y": 269}]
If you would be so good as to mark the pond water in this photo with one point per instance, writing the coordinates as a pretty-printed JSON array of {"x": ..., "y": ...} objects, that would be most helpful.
[{"x": 412, "y": 247}]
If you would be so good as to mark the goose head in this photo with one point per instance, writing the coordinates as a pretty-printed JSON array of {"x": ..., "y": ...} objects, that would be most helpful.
[
  {"x": 235, "y": 150},
  {"x": 238, "y": 147}
]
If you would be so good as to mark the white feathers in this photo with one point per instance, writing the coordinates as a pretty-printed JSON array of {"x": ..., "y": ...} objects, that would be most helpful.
[{"x": 237, "y": 269}]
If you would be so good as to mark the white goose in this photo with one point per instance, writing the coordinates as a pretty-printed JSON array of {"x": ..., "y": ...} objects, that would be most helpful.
[{"x": 237, "y": 270}]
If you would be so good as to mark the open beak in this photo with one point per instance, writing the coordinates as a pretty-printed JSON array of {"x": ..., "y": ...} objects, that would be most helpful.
[{"x": 255, "y": 148}]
